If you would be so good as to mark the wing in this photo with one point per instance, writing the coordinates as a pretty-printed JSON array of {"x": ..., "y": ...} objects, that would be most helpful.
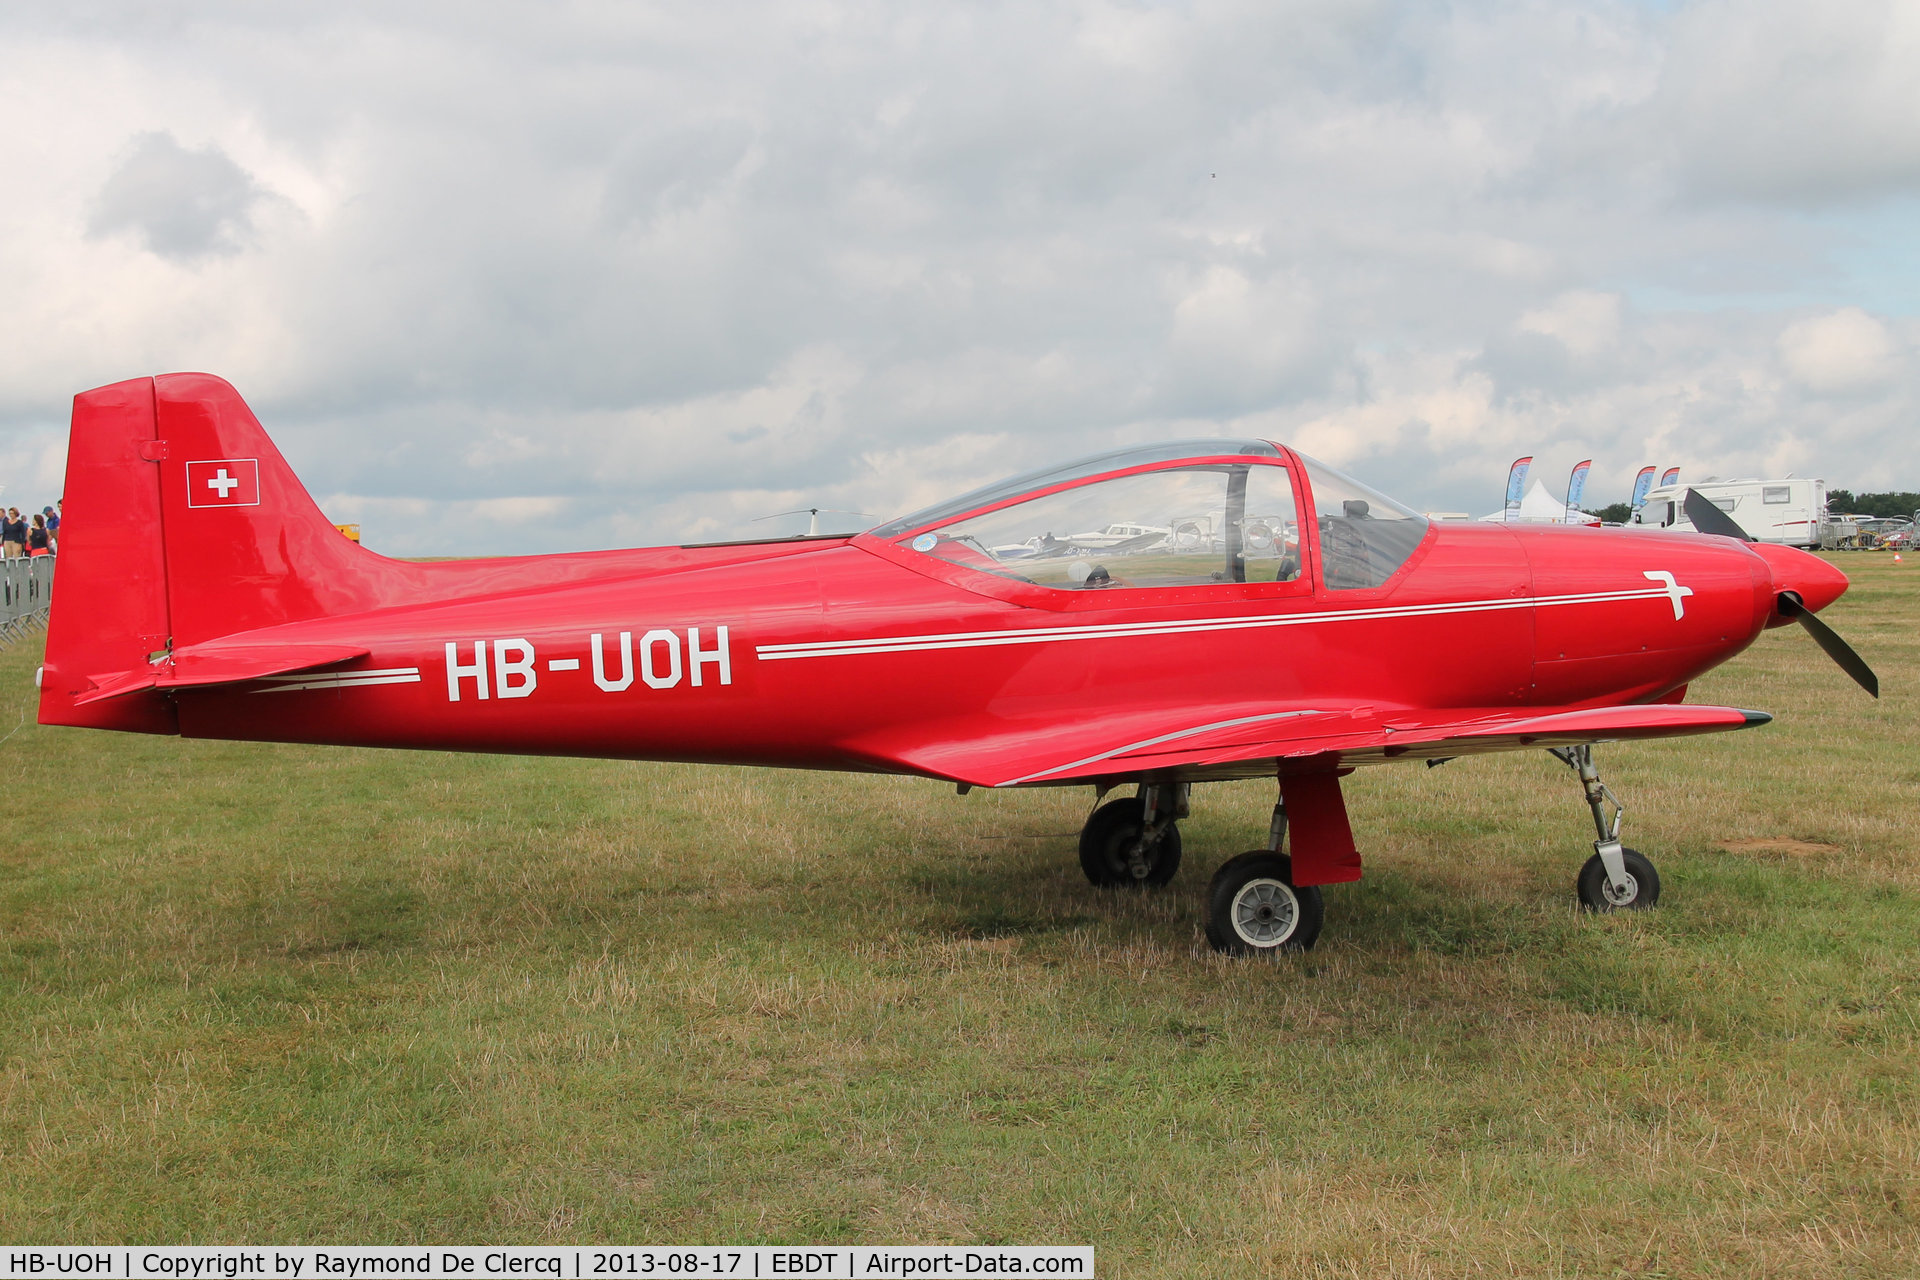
[{"x": 1249, "y": 740}]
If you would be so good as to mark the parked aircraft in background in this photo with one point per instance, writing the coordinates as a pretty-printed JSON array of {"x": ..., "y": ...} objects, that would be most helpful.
[
  {"x": 1112, "y": 535},
  {"x": 204, "y": 594}
]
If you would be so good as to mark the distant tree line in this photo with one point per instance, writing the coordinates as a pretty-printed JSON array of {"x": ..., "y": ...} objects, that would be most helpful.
[
  {"x": 1839, "y": 501},
  {"x": 1847, "y": 502}
]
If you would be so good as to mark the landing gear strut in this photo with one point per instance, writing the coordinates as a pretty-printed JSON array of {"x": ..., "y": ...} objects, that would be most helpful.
[
  {"x": 1615, "y": 878},
  {"x": 1135, "y": 843}
]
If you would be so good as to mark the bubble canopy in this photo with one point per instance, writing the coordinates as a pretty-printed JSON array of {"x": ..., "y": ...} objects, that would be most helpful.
[
  {"x": 1154, "y": 512},
  {"x": 1097, "y": 465},
  {"x": 1319, "y": 474}
]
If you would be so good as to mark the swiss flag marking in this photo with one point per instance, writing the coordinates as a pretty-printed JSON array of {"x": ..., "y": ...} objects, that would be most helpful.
[{"x": 224, "y": 482}]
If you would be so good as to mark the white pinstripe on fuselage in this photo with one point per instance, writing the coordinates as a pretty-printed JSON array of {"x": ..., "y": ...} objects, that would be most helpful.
[{"x": 1178, "y": 626}]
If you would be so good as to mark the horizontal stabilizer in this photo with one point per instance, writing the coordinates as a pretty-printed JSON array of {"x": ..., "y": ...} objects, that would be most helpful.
[
  {"x": 118, "y": 685},
  {"x": 215, "y": 663}
]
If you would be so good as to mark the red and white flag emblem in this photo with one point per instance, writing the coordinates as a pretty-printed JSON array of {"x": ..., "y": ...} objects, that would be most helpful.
[{"x": 224, "y": 482}]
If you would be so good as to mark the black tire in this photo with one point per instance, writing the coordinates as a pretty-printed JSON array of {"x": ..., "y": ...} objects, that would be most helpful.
[
  {"x": 1103, "y": 847},
  {"x": 1597, "y": 895},
  {"x": 1255, "y": 909}
]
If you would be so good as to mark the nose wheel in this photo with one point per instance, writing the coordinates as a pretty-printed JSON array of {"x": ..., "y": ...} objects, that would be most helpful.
[
  {"x": 1599, "y": 891},
  {"x": 1615, "y": 878}
]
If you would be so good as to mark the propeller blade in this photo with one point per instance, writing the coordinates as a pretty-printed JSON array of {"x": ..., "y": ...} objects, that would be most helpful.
[
  {"x": 1707, "y": 518},
  {"x": 1828, "y": 639}
]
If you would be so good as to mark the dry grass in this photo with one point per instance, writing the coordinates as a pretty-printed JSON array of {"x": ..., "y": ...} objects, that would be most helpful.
[{"x": 285, "y": 994}]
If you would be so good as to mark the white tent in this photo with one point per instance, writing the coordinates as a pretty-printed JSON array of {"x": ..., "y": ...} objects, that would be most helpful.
[{"x": 1537, "y": 506}]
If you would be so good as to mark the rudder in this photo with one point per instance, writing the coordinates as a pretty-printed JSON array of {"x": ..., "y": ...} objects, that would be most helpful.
[{"x": 110, "y": 592}]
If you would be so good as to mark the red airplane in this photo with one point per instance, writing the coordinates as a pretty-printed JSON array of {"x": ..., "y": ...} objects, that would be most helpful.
[{"x": 1153, "y": 617}]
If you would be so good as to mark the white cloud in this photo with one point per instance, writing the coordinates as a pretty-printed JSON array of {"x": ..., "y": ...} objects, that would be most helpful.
[
  {"x": 1581, "y": 320},
  {"x": 1845, "y": 350},
  {"x": 1780, "y": 100},
  {"x": 641, "y": 272}
]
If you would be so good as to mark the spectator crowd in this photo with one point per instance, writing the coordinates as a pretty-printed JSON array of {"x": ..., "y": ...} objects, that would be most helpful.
[{"x": 38, "y": 536}]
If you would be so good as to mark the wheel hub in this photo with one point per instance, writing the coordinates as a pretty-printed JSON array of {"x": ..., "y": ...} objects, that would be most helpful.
[
  {"x": 1623, "y": 896},
  {"x": 1265, "y": 913}
]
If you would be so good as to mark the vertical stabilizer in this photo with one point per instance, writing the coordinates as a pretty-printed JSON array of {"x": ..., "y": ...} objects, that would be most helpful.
[
  {"x": 246, "y": 547},
  {"x": 183, "y": 524}
]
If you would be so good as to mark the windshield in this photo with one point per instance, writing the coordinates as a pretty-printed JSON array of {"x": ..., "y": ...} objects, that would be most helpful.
[
  {"x": 1364, "y": 535},
  {"x": 1116, "y": 460}
]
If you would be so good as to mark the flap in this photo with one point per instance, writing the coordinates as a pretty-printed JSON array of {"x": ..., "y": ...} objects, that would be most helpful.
[{"x": 210, "y": 664}]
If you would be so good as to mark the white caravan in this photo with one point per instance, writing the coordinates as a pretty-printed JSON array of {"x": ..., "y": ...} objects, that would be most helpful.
[{"x": 1790, "y": 511}]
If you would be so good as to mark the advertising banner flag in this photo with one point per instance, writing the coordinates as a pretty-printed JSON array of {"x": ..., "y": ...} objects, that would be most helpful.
[
  {"x": 1642, "y": 483},
  {"x": 1673, "y": 473},
  {"x": 1577, "y": 483},
  {"x": 1517, "y": 483}
]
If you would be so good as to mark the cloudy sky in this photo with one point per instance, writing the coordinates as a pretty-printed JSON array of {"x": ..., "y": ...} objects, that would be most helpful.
[{"x": 594, "y": 274}]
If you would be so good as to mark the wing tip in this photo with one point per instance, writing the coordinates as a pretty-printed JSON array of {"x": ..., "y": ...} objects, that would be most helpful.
[{"x": 1754, "y": 719}]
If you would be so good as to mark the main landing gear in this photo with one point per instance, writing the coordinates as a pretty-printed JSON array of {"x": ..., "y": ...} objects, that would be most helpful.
[
  {"x": 1615, "y": 878},
  {"x": 1253, "y": 906},
  {"x": 1135, "y": 843}
]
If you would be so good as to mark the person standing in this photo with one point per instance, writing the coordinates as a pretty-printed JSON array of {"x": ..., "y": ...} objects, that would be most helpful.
[
  {"x": 13, "y": 535},
  {"x": 39, "y": 541}
]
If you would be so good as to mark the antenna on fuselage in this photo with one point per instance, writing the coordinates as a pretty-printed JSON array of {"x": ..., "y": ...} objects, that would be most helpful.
[{"x": 813, "y": 515}]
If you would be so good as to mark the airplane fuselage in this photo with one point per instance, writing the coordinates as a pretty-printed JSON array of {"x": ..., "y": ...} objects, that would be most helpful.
[{"x": 836, "y": 654}]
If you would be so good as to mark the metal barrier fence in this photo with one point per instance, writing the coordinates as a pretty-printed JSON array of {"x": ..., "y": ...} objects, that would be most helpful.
[{"x": 26, "y": 591}]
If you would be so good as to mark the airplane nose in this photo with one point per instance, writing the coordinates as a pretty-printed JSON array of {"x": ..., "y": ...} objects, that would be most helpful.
[
  {"x": 1817, "y": 583},
  {"x": 1802, "y": 586}
]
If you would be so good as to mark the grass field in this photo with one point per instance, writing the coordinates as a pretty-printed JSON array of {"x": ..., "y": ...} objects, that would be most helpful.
[{"x": 283, "y": 994}]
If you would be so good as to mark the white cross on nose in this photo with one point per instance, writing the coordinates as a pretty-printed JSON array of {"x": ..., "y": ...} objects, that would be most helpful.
[
  {"x": 222, "y": 482},
  {"x": 1675, "y": 592}
]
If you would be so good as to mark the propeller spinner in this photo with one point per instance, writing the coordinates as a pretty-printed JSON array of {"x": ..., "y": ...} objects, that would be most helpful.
[{"x": 1796, "y": 576}]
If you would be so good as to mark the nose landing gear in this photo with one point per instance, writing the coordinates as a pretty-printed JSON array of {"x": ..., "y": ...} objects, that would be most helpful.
[{"x": 1615, "y": 878}]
